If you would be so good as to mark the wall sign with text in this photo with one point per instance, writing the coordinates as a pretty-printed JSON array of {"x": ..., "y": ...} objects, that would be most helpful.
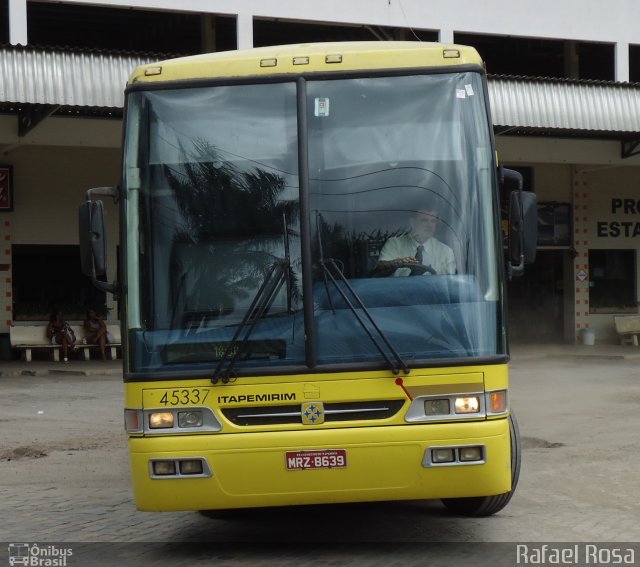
[
  {"x": 6, "y": 188},
  {"x": 623, "y": 221}
]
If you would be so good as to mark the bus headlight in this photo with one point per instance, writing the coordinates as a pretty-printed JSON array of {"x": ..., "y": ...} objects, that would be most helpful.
[
  {"x": 461, "y": 455},
  {"x": 193, "y": 466},
  {"x": 176, "y": 421},
  {"x": 164, "y": 468},
  {"x": 447, "y": 407},
  {"x": 444, "y": 455},
  {"x": 467, "y": 404},
  {"x": 190, "y": 419},
  {"x": 437, "y": 407},
  {"x": 161, "y": 420},
  {"x": 470, "y": 454},
  {"x": 179, "y": 467}
]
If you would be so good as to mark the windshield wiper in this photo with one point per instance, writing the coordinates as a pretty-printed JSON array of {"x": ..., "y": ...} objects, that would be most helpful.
[
  {"x": 279, "y": 273},
  {"x": 329, "y": 267},
  {"x": 264, "y": 298}
]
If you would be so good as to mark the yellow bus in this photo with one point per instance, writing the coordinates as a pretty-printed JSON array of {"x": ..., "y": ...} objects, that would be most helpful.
[{"x": 312, "y": 279}]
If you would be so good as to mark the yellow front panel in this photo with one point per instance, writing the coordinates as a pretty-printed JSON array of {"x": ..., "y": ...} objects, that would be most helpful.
[
  {"x": 384, "y": 458},
  {"x": 249, "y": 470}
]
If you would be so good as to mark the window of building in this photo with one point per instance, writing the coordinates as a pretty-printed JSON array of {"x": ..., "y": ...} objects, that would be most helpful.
[
  {"x": 123, "y": 29},
  {"x": 4, "y": 21},
  {"x": 612, "y": 281},
  {"x": 535, "y": 57},
  {"x": 634, "y": 63},
  {"x": 517, "y": 56},
  {"x": 596, "y": 61},
  {"x": 275, "y": 32},
  {"x": 48, "y": 277}
]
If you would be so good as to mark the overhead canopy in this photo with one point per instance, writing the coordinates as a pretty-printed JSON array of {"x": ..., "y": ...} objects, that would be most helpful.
[
  {"x": 520, "y": 105},
  {"x": 66, "y": 78},
  {"x": 587, "y": 107}
]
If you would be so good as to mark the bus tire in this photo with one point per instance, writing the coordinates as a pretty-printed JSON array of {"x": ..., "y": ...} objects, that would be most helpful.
[{"x": 480, "y": 506}]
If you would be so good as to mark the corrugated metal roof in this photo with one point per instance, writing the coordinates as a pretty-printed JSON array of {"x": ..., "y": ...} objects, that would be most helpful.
[
  {"x": 97, "y": 78},
  {"x": 595, "y": 106},
  {"x": 68, "y": 78}
]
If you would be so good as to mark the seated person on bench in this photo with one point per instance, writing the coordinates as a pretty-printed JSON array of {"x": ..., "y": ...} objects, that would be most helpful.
[
  {"x": 96, "y": 331},
  {"x": 60, "y": 333}
]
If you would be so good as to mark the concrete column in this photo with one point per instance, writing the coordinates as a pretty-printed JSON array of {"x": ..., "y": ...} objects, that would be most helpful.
[
  {"x": 208, "y": 33},
  {"x": 581, "y": 246},
  {"x": 569, "y": 296},
  {"x": 244, "y": 30},
  {"x": 571, "y": 60},
  {"x": 622, "y": 62},
  {"x": 18, "y": 22},
  {"x": 445, "y": 36},
  {"x": 6, "y": 285}
]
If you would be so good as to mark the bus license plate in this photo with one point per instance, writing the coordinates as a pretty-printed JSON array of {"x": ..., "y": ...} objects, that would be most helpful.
[{"x": 321, "y": 459}]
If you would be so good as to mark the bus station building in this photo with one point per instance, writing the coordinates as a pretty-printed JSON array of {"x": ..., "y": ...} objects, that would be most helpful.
[{"x": 564, "y": 85}]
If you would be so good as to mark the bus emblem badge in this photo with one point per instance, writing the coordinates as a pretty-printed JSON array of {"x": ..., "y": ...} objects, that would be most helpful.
[{"x": 312, "y": 413}]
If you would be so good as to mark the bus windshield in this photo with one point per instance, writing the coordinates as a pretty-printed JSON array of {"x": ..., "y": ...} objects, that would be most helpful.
[{"x": 372, "y": 238}]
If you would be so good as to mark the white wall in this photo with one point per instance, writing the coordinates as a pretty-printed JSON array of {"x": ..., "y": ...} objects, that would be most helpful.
[
  {"x": 614, "y": 21},
  {"x": 592, "y": 20}
]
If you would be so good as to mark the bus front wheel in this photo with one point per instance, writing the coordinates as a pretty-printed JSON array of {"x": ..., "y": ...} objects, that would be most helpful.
[{"x": 487, "y": 505}]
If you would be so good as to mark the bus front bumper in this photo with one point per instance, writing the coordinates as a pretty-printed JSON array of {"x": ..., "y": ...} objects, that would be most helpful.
[{"x": 380, "y": 463}]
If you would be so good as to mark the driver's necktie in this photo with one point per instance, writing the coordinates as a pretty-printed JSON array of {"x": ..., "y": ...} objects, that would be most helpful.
[{"x": 420, "y": 254}]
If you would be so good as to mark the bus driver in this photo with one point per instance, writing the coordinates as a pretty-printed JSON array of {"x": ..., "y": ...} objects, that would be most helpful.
[{"x": 417, "y": 251}]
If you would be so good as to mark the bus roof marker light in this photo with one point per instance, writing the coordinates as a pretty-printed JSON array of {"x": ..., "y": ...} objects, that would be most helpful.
[
  {"x": 268, "y": 62},
  {"x": 301, "y": 60},
  {"x": 151, "y": 71},
  {"x": 451, "y": 53},
  {"x": 336, "y": 58}
]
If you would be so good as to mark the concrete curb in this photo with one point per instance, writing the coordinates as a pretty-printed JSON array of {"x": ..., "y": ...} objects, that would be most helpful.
[
  {"x": 574, "y": 352},
  {"x": 111, "y": 368}
]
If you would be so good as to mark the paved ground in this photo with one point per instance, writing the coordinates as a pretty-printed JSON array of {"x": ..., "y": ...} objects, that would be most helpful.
[{"x": 64, "y": 477}]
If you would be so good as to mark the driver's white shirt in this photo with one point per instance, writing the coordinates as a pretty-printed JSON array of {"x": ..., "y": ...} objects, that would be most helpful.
[{"x": 436, "y": 254}]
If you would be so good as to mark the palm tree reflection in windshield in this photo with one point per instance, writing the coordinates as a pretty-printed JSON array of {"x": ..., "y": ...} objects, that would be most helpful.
[{"x": 235, "y": 225}]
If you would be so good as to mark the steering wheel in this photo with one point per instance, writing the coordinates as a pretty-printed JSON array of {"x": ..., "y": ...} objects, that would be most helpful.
[{"x": 417, "y": 269}]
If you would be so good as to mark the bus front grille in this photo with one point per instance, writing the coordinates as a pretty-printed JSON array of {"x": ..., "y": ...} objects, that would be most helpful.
[{"x": 346, "y": 411}]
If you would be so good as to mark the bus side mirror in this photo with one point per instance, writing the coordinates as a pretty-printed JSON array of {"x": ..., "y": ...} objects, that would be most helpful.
[
  {"x": 92, "y": 238},
  {"x": 523, "y": 223},
  {"x": 523, "y": 227},
  {"x": 93, "y": 244}
]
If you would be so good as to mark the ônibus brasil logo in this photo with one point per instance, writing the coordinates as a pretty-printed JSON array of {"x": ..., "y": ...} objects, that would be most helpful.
[{"x": 32, "y": 554}]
